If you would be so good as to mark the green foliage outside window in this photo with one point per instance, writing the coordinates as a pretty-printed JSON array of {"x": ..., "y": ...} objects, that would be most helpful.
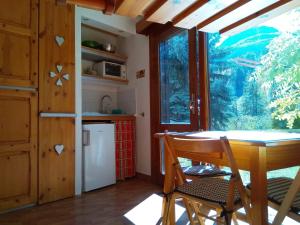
[
  {"x": 255, "y": 77},
  {"x": 174, "y": 79}
]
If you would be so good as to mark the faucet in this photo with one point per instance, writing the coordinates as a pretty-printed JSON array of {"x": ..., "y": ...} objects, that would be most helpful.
[{"x": 103, "y": 105}]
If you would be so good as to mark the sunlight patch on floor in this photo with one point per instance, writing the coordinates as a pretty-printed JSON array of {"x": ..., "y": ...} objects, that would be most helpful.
[{"x": 148, "y": 212}]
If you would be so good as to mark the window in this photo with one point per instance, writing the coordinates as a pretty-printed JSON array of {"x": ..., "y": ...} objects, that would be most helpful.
[
  {"x": 254, "y": 76},
  {"x": 174, "y": 79}
]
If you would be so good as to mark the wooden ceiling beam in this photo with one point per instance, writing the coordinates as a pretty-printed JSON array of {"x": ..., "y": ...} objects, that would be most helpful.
[
  {"x": 133, "y": 8},
  {"x": 192, "y": 8},
  {"x": 255, "y": 15},
  {"x": 107, "y": 6},
  {"x": 222, "y": 13},
  {"x": 153, "y": 8},
  {"x": 170, "y": 9},
  {"x": 142, "y": 26},
  {"x": 91, "y": 4},
  {"x": 119, "y": 3}
]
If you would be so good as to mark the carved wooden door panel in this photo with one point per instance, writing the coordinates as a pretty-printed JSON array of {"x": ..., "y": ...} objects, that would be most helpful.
[
  {"x": 56, "y": 101},
  {"x": 18, "y": 148},
  {"x": 19, "y": 43}
]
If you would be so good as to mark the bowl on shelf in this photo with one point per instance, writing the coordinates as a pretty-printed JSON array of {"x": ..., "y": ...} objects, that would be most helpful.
[{"x": 109, "y": 47}]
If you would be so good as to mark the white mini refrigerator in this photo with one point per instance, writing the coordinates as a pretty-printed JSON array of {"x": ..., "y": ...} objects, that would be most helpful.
[{"x": 99, "y": 164}]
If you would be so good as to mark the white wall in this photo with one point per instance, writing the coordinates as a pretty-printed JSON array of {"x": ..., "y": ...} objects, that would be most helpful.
[
  {"x": 92, "y": 92},
  {"x": 137, "y": 50}
]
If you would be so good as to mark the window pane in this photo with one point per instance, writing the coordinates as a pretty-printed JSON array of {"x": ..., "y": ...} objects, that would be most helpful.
[
  {"x": 255, "y": 76},
  {"x": 174, "y": 80}
]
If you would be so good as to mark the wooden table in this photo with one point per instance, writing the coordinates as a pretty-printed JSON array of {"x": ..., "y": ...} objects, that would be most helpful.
[{"x": 257, "y": 152}]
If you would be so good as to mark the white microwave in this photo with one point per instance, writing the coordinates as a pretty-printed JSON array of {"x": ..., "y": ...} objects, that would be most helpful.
[{"x": 111, "y": 70}]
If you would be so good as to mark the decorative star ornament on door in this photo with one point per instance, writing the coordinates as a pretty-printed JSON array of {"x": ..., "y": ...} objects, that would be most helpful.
[{"x": 61, "y": 77}]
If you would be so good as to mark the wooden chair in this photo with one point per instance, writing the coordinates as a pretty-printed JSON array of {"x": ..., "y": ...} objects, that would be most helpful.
[
  {"x": 224, "y": 195},
  {"x": 284, "y": 195}
]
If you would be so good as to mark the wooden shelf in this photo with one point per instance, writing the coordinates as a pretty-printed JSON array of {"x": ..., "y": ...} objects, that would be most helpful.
[
  {"x": 99, "y": 55},
  {"x": 97, "y": 77}
]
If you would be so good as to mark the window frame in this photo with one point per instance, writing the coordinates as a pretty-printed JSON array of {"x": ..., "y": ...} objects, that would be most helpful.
[{"x": 154, "y": 39}]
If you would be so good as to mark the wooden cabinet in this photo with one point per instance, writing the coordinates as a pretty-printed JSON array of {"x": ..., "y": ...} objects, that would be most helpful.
[
  {"x": 56, "y": 177},
  {"x": 18, "y": 148},
  {"x": 28, "y": 53},
  {"x": 19, "y": 43},
  {"x": 56, "y": 171},
  {"x": 56, "y": 21},
  {"x": 18, "y": 109}
]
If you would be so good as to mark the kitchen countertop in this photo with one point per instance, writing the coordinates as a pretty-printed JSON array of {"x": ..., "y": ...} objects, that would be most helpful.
[
  {"x": 108, "y": 117},
  {"x": 101, "y": 117}
]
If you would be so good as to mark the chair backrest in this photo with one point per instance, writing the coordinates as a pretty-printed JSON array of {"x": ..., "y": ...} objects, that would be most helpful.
[
  {"x": 197, "y": 145},
  {"x": 175, "y": 145}
]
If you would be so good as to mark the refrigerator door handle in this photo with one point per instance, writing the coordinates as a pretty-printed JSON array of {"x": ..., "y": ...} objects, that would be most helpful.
[{"x": 86, "y": 138}]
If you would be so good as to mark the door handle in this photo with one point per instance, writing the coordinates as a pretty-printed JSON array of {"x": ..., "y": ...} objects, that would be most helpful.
[
  {"x": 192, "y": 104},
  {"x": 86, "y": 136}
]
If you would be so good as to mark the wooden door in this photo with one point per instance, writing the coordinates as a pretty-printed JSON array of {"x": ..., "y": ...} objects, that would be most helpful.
[
  {"x": 173, "y": 87},
  {"x": 19, "y": 43},
  {"x": 56, "y": 101},
  {"x": 18, "y": 148},
  {"x": 18, "y": 102}
]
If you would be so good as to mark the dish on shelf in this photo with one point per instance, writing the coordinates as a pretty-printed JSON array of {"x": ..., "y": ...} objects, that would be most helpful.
[{"x": 92, "y": 44}]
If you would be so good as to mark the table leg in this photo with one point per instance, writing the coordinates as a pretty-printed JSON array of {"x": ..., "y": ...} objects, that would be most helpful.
[{"x": 258, "y": 176}]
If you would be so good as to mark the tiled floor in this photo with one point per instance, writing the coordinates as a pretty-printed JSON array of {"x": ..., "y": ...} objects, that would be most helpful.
[{"x": 133, "y": 202}]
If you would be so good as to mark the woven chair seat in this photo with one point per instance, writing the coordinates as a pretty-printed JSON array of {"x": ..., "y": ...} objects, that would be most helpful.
[
  {"x": 209, "y": 189},
  {"x": 204, "y": 171},
  {"x": 277, "y": 190}
]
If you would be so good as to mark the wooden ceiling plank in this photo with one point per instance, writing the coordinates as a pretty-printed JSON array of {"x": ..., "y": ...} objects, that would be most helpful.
[
  {"x": 221, "y": 13},
  {"x": 167, "y": 11},
  {"x": 255, "y": 15},
  {"x": 192, "y": 8},
  {"x": 133, "y": 8}
]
